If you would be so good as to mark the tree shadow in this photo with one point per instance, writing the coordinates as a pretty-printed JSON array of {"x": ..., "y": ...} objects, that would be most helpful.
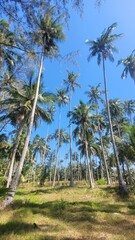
[
  {"x": 83, "y": 214},
  {"x": 16, "y": 227},
  {"x": 116, "y": 193},
  {"x": 43, "y": 191}
]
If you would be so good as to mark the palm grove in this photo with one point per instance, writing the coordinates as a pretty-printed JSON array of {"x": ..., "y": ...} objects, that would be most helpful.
[{"x": 103, "y": 130}]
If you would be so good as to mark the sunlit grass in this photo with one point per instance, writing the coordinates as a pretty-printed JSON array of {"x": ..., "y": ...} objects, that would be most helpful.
[{"x": 66, "y": 213}]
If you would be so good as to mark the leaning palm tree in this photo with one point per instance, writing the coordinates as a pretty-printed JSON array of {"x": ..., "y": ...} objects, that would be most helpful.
[
  {"x": 46, "y": 34},
  {"x": 102, "y": 48},
  {"x": 129, "y": 64},
  {"x": 70, "y": 84}
]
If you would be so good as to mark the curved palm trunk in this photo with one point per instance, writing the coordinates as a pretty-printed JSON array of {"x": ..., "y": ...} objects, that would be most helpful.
[
  {"x": 89, "y": 167},
  {"x": 70, "y": 134},
  {"x": 122, "y": 186},
  {"x": 10, "y": 173},
  {"x": 15, "y": 181}
]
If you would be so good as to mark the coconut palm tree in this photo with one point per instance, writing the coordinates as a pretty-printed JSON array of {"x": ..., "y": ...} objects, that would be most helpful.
[
  {"x": 47, "y": 32},
  {"x": 8, "y": 41},
  {"x": 18, "y": 108},
  {"x": 61, "y": 137},
  {"x": 116, "y": 111},
  {"x": 94, "y": 95},
  {"x": 61, "y": 99},
  {"x": 129, "y": 108},
  {"x": 103, "y": 48},
  {"x": 81, "y": 116},
  {"x": 40, "y": 146},
  {"x": 129, "y": 64},
  {"x": 50, "y": 110},
  {"x": 70, "y": 84}
]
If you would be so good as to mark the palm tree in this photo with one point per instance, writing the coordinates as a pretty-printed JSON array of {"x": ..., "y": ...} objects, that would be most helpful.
[
  {"x": 8, "y": 40},
  {"x": 47, "y": 33},
  {"x": 82, "y": 117},
  {"x": 18, "y": 108},
  {"x": 103, "y": 48},
  {"x": 50, "y": 110},
  {"x": 61, "y": 137},
  {"x": 4, "y": 146},
  {"x": 94, "y": 95},
  {"x": 116, "y": 111},
  {"x": 70, "y": 84},
  {"x": 40, "y": 145},
  {"x": 129, "y": 108},
  {"x": 61, "y": 99},
  {"x": 129, "y": 64}
]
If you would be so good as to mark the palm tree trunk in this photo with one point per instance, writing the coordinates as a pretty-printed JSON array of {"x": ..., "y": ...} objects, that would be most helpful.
[
  {"x": 80, "y": 169},
  {"x": 104, "y": 158},
  {"x": 128, "y": 170},
  {"x": 101, "y": 168},
  {"x": 89, "y": 167},
  {"x": 58, "y": 146},
  {"x": 103, "y": 154},
  {"x": 70, "y": 134},
  {"x": 86, "y": 172},
  {"x": 10, "y": 173},
  {"x": 122, "y": 186},
  {"x": 43, "y": 159},
  {"x": 15, "y": 181}
]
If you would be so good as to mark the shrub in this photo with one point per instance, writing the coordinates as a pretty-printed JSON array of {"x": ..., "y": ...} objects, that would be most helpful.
[{"x": 101, "y": 182}]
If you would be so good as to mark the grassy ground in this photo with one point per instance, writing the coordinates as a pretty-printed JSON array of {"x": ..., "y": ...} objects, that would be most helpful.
[{"x": 68, "y": 214}]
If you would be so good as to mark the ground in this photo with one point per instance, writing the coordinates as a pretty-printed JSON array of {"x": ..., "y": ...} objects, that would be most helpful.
[{"x": 64, "y": 213}]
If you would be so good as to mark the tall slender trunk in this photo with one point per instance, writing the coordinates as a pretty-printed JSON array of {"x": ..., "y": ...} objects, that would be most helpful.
[
  {"x": 89, "y": 167},
  {"x": 104, "y": 158},
  {"x": 44, "y": 160},
  {"x": 11, "y": 167},
  {"x": 101, "y": 167},
  {"x": 122, "y": 186},
  {"x": 70, "y": 134},
  {"x": 15, "y": 181},
  {"x": 103, "y": 155},
  {"x": 97, "y": 170},
  {"x": 80, "y": 169},
  {"x": 65, "y": 172},
  {"x": 86, "y": 171},
  {"x": 58, "y": 146},
  {"x": 128, "y": 170}
]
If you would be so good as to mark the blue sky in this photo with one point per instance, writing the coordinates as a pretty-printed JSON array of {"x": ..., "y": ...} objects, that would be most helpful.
[{"x": 90, "y": 26}]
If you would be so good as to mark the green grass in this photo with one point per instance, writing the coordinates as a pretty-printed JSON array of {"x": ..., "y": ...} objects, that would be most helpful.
[{"x": 66, "y": 213}]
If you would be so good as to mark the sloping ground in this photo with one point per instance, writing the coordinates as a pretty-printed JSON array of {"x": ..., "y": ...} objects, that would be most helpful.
[{"x": 68, "y": 214}]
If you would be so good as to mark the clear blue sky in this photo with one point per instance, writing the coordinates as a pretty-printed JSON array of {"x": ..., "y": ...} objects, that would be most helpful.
[{"x": 90, "y": 26}]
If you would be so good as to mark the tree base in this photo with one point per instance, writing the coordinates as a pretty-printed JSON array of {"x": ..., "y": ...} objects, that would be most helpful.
[{"x": 123, "y": 190}]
